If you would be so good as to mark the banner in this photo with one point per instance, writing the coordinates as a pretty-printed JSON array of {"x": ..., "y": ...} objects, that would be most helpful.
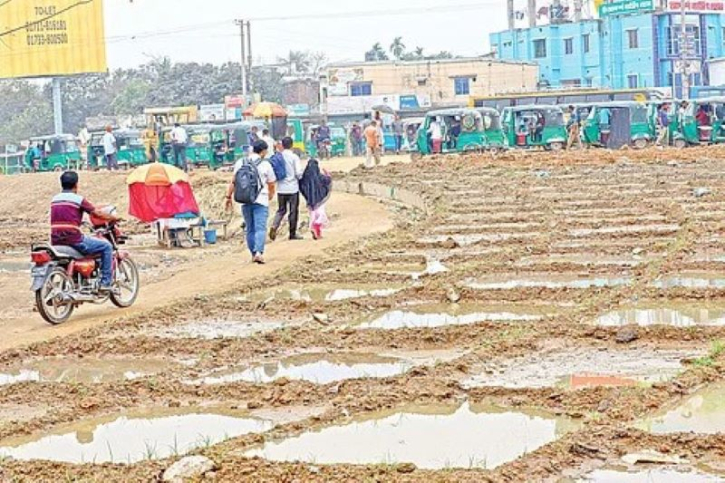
[{"x": 626, "y": 7}]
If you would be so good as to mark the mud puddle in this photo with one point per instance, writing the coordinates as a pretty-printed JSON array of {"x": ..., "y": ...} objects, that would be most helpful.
[
  {"x": 549, "y": 281},
  {"x": 584, "y": 259},
  {"x": 329, "y": 292},
  {"x": 703, "y": 413},
  {"x": 625, "y": 230},
  {"x": 221, "y": 329},
  {"x": 315, "y": 368},
  {"x": 133, "y": 438},
  {"x": 467, "y": 240},
  {"x": 431, "y": 316},
  {"x": 651, "y": 475},
  {"x": 86, "y": 370},
  {"x": 431, "y": 437},
  {"x": 673, "y": 316},
  {"x": 582, "y": 367},
  {"x": 691, "y": 280}
]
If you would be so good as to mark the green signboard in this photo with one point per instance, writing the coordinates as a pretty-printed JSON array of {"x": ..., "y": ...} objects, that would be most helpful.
[{"x": 626, "y": 7}]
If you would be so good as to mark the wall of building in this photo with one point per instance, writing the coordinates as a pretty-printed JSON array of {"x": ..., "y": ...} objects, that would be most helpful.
[{"x": 435, "y": 80}]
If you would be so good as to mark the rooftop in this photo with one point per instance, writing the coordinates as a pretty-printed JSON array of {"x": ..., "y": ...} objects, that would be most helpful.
[{"x": 456, "y": 60}]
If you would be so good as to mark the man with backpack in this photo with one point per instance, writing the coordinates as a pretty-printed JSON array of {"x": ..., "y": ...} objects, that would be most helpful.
[
  {"x": 253, "y": 187},
  {"x": 288, "y": 171}
]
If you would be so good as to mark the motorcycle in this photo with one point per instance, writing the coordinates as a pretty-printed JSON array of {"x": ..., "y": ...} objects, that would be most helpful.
[
  {"x": 325, "y": 150},
  {"x": 63, "y": 278}
]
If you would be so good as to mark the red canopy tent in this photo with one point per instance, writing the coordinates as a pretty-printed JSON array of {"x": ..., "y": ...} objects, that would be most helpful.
[{"x": 160, "y": 191}]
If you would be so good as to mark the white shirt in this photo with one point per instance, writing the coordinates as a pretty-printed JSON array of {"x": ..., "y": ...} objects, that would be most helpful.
[
  {"x": 266, "y": 176},
  {"x": 270, "y": 144},
  {"x": 109, "y": 143},
  {"x": 293, "y": 166},
  {"x": 178, "y": 134},
  {"x": 435, "y": 130}
]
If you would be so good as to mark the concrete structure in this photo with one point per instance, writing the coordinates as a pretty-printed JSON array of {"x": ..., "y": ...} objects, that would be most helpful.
[
  {"x": 356, "y": 87},
  {"x": 636, "y": 50}
]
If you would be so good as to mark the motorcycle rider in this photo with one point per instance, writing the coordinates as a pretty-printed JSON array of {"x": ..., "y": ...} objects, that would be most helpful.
[{"x": 66, "y": 216}]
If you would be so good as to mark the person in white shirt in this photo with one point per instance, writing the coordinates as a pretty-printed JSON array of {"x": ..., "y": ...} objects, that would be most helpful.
[
  {"x": 288, "y": 192},
  {"x": 179, "y": 138},
  {"x": 436, "y": 136},
  {"x": 267, "y": 138},
  {"x": 109, "y": 149},
  {"x": 256, "y": 214}
]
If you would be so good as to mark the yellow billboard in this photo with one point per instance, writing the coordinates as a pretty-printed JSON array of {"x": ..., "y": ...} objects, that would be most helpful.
[{"x": 51, "y": 38}]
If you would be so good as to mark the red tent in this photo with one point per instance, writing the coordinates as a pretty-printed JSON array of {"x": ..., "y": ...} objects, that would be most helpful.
[{"x": 160, "y": 191}]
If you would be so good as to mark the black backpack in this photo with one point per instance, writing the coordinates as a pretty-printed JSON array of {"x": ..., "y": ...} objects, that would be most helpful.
[{"x": 247, "y": 184}]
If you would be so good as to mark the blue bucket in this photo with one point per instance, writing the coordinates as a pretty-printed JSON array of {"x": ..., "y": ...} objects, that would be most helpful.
[{"x": 210, "y": 237}]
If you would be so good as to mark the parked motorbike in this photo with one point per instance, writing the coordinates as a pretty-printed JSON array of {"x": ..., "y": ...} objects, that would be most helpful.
[{"x": 64, "y": 278}]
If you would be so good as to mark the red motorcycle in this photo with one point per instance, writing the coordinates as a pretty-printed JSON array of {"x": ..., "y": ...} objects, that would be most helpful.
[{"x": 64, "y": 278}]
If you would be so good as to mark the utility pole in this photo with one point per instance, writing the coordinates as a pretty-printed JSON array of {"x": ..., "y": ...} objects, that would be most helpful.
[
  {"x": 684, "y": 53},
  {"x": 241, "y": 24},
  {"x": 249, "y": 50},
  {"x": 57, "y": 106}
]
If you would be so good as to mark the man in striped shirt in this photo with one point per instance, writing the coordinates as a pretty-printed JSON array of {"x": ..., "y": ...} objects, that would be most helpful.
[{"x": 66, "y": 217}]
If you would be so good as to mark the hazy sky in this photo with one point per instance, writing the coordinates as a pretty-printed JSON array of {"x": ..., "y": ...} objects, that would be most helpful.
[{"x": 203, "y": 30}]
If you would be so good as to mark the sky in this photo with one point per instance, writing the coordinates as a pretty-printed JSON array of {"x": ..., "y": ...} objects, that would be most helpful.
[{"x": 204, "y": 30}]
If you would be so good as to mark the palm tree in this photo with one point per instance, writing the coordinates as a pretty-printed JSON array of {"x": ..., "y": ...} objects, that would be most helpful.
[
  {"x": 397, "y": 48},
  {"x": 418, "y": 52},
  {"x": 295, "y": 61},
  {"x": 376, "y": 53}
]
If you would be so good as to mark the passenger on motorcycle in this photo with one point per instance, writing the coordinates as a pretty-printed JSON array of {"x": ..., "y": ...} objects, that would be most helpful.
[
  {"x": 66, "y": 217},
  {"x": 323, "y": 136}
]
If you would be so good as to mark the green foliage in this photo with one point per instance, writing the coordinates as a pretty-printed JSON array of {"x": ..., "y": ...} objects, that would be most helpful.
[{"x": 718, "y": 348}]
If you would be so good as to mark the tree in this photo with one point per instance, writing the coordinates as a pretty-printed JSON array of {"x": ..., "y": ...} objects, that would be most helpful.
[
  {"x": 317, "y": 62},
  {"x": 397, "y": 48},
  {"x": 376, "y": 53},
  {"x": 296, "y": 61}
]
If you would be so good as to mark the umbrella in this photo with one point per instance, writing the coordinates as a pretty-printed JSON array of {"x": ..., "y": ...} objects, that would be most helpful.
[
  {"x": 265, "y": 110},
  {"x": 384, "y": 109},
  {"x": 160, "y": 191}
]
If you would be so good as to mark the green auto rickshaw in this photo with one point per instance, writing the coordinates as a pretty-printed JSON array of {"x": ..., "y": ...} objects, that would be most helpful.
[
  {"x": 700, "y": 122},
  {"x": 53, "y": 153},
  {"x": 534, "y": 126},
  {"x": 296, "y": 130},
  {"x": 615, "y": 124},
  {"x": 207, "y": 146},
  {"x": 337, "y": 145},
  {"x": 237, "y": 142},
  {"x": 463, "y": 130},
  {"x": 130, "y": 149}
]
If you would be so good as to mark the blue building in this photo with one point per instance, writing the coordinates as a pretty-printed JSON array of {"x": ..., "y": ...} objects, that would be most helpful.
[{"x": 638, "y": 50}]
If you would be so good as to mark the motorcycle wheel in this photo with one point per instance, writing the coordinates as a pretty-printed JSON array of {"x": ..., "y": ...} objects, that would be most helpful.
[
  {"x": 48, "y": 299},
  {"x": 127, "y": 284}
]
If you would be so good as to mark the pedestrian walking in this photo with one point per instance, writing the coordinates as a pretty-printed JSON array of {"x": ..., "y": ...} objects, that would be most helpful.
[
  {"x": 398, "y": 131},
  {"x": 267, "y": 138},
  {"x": 356, "y": 139},
  {"x": 436, "y": 136},
  {"x": 574, "y": 129},
  {"x": 288, "y": 191},
  {"x": 316, "y": 187},
  {"x": 372, "y": 140},
  {"x": 179, "y": 138},
  {"x": 110, "y": 149},
  {"x": 253, "y": 187},
  {"x": 663, "y": 125}
]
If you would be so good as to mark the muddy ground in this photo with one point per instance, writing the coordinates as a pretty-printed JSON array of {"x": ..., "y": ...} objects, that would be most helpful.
[{"x": 522, "y": 270}]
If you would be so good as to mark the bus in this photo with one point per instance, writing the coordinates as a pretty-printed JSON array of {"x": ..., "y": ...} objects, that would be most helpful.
[{"x": 566, "y": 97}]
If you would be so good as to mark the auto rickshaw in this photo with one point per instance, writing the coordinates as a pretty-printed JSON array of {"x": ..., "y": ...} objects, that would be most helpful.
[
  {"x": 534, "y": 126},
  {"x": 338, "y": 140},
  {"x": 207, "y": 146},
  {"x": 464, "y": 130},
  {"x": 296, "y": 131},
  {"x": 54, "y": 153},
  {"x": 702, "y": 123},
  {"x": 616, "y": 124},
  {"x": 410, "y": 138},
  {"x": 237, "y": 140},
  {"x": 130, "y": 149}
]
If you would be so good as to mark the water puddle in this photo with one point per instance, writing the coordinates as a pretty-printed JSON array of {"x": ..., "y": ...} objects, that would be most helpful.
[
  {"x": 442, "y": 315},
  {"x": 219, "y": 329},
  {"x": 626, "y": 229},
  {"x": 584, "y": 259},
  {"x": 83, "y": 370},
  {"x": 472, "y": 239},
  {"x": 348, "y": 294},
  {"x": 433, "y": 267},
  {"x": 430, "y": 437},
  {"x": 132, "y": 438},
  {"x": 703, "y": 413},
  {"x": 581, "y": 368},
  {"x": 674, "y": 317},
  {"x": 696, "y": 281},
  {"x": 548, "y": 281},
  {"x": 654, "y": 475},
  {"x": 315, "y": 368}
]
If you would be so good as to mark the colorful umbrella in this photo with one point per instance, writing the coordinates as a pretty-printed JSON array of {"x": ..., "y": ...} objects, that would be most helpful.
[
  {"x": 265, "y": 110},
  {"x": 160, "y": 191}
]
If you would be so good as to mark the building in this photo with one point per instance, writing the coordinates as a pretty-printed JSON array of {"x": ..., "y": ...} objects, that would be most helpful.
[
  {"x": 354, "y": 88},
  {"x": 633, "y": 44}
]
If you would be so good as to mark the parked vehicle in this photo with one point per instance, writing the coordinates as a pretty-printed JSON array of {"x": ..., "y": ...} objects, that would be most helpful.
[
  {"x": 616, "y": 124},
  {"x": 337, "y": 146},
  {"x": 296, "y": 130},
  {"x": 701, "y": 123},
  {"x": 535, "y": 127},
  {"x": 410, "y": 139},
  {"x": 64, "y": 279},
  {"x": 464, "y": 130},
  {"x": 131, "y": 150},
  {"x": 53, "y": 153}
]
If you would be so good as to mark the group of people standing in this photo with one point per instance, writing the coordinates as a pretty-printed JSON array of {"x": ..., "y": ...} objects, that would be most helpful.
[{"x": 262, "y": 175}]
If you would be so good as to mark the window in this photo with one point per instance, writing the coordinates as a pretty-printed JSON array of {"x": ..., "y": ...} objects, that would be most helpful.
[
  {"x": 359, "y": 89},
  {"x": 692, "y": 43},
  {"x": 462, "y": 86},
  {"x": 632, "y": 39},
  {"x": 633, "y": 81},
  {"x": 585, "y": 43},
  {"x": 422, "y": 82},
  {"x": 507, "y": 44},
  {"x": 540, "y": 48},
  {"x": 568, "y": 46}
]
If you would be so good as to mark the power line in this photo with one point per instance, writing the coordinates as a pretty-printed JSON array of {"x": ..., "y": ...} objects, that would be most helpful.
[
  {"x": 39, "y": 21},
  {"x": 2, "y": 4}
]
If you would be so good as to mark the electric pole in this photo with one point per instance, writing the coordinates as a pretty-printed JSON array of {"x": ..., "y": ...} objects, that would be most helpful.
[
  {"x": 684, "y": 53},
  {"x": 249, "y": 54},
  {"x": 242, "y": 24}
]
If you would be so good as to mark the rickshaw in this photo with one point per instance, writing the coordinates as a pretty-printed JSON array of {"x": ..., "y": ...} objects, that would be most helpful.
[
  {"x": 702, "y": 123},
  {"x": 534, "y": 126},
  {"x": 338, "y": 140},
  {"x": 236, "y": 140},
  {"x": 464, "y": 130},
  {"x": 616, "y": 124},
  {"x": 207, "y": 146},
  {"x": 410, "y": 138},
  {"x": 130, "y": 149},
  {"x": 56, "y": 153},
  {"x": 296, "y": 131}
]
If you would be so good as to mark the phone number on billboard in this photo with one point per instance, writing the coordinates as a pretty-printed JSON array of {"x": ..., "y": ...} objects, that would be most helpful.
[{"x": 47, "y": 39}]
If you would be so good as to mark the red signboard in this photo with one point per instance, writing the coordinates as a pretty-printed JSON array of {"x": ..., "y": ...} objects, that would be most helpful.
[{"x": 697, "y": 5}]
